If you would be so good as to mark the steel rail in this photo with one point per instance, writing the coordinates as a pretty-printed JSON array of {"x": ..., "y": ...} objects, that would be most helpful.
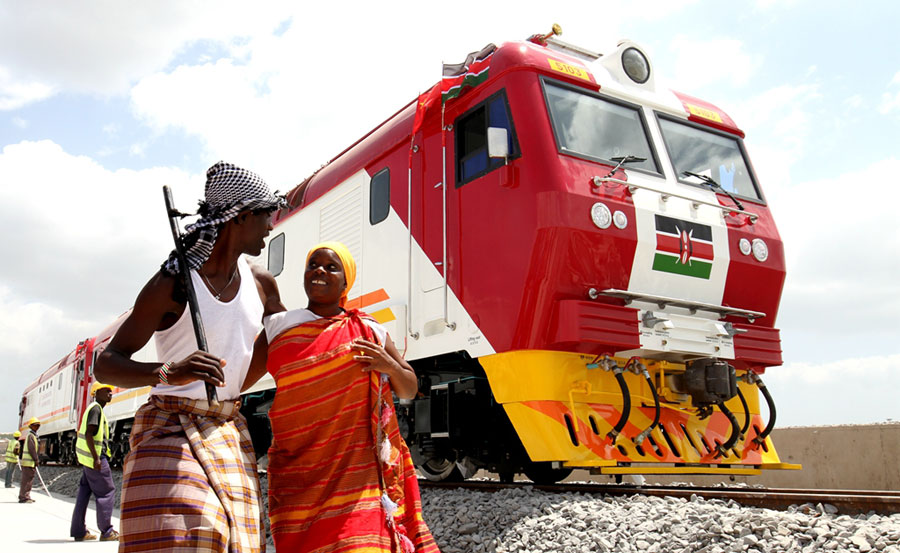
[{"x": 845, "y": 501}]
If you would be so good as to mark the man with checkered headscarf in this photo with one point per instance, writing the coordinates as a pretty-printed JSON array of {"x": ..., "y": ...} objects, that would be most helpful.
[{"x": 190, "y": 479}]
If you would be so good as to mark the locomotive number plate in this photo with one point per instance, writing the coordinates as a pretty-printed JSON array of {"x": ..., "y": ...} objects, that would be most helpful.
[
  {"x": 569, "y": 70},
  {"x": 704, "y": 113}
]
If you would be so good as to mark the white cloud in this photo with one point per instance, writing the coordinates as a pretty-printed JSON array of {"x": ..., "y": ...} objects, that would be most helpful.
[
  {"x": 103, "y": 46},
  {"x": 847, "y": 390},
  {"x": 79, "y": 243},
  {"x": 16, "y": 93},
  {"x": 25, "y": 325},
  {"x": 286, "y": 102},
  {"x": 842, "y": 250},
  {"x": 701, "y": 62},
  {"x": 71, "y": 225},
  {"x": 874, "y": 368},
  {"x": 890, "y": 100},
  {"x": 781, "y": 117},
  {"x": 855, "y": 102},
  {"x": 766, "y": 5},
  {"x": 137, "y": 150},
  {"x": 20, "y": 122}
]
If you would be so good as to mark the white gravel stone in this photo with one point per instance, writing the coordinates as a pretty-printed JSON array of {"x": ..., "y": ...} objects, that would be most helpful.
[{"x": 523, "y": 520}]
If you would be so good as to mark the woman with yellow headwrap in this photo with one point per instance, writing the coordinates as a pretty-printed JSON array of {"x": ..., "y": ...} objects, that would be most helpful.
[{"x": 340, "y": 476}]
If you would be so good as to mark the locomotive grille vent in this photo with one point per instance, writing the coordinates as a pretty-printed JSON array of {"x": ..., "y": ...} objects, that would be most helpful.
[{"x": 342, "y": 220}]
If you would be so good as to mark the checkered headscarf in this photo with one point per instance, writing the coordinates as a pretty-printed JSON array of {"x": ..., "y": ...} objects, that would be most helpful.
[{"x": 229, "y": 191}]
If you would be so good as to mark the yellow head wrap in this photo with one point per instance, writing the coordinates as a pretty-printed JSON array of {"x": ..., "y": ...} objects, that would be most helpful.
[{"x": 346, "y": 260}]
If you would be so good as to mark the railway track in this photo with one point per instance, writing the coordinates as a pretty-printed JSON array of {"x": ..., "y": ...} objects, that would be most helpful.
[{"x": 848, "y": 502}]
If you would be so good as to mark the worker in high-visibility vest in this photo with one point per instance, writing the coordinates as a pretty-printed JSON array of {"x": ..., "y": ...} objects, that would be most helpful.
[
  {"x": 12, "y": 456},
  {"x": 29, "y": 459},
  {"x": 93, "y": 452}
]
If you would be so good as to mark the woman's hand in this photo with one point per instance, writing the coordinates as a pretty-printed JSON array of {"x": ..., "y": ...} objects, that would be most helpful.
[
  {"x": 388, "y": 360},
  {"x": 375, "y": 357},
  {"x": 197, "y": 366}
]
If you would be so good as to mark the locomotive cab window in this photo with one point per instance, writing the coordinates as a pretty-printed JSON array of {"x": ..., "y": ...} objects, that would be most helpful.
[
  {"x": 276, "y": 255},
  {"x": 704, "y": 151},
  {"x": 472, "y": 159},
  {"x": 380, "y": 196},
  {"x": 597, "y": 128}
]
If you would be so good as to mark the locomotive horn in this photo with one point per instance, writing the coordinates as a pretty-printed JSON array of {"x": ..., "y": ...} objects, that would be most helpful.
[
  {"x": 173, "y": 214},
  {"x": 555, "y": 30},
  {"x": 542, "y": 39}
]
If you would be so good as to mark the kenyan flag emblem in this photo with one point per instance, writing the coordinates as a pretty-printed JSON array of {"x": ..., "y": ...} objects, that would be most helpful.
[{"x": 683, "y": 248}]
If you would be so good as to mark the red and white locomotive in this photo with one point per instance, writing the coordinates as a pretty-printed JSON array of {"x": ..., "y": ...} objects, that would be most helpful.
[{"x": 579, "y": 263}]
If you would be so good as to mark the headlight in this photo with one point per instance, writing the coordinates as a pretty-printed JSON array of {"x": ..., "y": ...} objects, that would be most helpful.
[
  {"x": 620, "y": 219},
  {"x": 600, "y": 215},
  {"x": 636, "y": 66},
  {"x": 760, "y": 250},
  {"x": 744, "y": 246}
]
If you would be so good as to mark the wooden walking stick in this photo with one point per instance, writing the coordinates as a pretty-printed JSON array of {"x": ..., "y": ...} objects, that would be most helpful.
[{"x": 173, "y": 214}]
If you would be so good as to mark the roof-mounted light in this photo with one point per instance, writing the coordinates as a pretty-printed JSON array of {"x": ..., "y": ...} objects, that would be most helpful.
[{"x": 635, "y": 64}]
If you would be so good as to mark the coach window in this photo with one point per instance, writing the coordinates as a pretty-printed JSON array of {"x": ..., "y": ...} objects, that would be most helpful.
[
  {"x": 276, "y": 255},
  {"x": 472, "y": 159},
  {"x": 380, "y": 196}
]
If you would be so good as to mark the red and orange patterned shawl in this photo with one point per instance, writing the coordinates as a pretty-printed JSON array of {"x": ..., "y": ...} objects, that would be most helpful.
[{"x": 330, "y": 487}]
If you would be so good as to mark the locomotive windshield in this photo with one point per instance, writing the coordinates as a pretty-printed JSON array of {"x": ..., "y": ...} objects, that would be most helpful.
[
  {"x": 596, "y": 128},
  {"x": 708, "y": 153}
]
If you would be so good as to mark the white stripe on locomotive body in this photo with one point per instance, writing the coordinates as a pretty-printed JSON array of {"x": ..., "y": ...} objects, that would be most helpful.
[
  {"x": 381, "y": 253},
  {"x": 691, "y": 334}
]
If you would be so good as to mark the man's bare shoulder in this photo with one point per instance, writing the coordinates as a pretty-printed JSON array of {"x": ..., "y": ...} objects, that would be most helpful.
[
  {"x": 261, "y": 274},
  {"x": 160, "y": 291}
]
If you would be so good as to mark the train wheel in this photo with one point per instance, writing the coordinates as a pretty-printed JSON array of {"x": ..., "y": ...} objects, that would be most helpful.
[
  {"x": 544, "y": 473},
  {"x": 440, "y": 470}
]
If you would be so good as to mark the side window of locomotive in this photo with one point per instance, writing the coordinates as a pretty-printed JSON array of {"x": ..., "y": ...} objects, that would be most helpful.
[
  {"x": 276, "y": 255},
  {"x": 380, "y": 196},
  {"x": 596, "y": 128},
  {"x": 719, "y": 156},
  {"x": 472, "y": 159}
]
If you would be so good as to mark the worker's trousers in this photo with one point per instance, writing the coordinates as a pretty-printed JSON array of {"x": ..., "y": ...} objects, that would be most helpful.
[
  {"x": 10, "y": 468},
  {"x": 101, "y": 485}
]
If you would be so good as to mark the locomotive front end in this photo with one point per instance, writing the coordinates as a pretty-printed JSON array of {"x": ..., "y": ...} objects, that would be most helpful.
[{"x": 653, "y": 285}]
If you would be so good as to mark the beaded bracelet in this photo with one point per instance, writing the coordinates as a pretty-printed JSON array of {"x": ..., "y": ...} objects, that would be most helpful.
[{"x": 164, "y": 373}]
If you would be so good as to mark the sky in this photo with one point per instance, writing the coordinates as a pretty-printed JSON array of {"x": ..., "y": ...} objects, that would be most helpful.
[{"x": 102, "y": 102}]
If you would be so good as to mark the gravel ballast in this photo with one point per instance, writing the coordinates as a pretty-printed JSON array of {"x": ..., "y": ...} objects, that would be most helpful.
[{"x": 526, "y": 520}]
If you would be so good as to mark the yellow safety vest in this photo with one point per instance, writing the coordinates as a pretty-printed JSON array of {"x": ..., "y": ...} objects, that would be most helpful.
[
  {"x": 12, "y": 450},
  {"x": 101, "y": 445},
  {"x": 27, "y": 460}
]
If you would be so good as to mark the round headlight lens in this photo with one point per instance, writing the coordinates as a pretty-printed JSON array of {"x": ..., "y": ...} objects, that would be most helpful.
[
  {"x": 636, "y": 66},
  {"x": 620, "y": 219},
  {"x": 744, "y": 245},
  {"x": 601, "y": 215},
  {"x": 760, "y": 250}
]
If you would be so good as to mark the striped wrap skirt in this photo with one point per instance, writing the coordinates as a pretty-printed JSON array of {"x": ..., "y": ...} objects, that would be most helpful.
[{"x": 190, "y": 480}]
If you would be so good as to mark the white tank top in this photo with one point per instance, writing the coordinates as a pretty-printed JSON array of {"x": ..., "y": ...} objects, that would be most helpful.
[{"x": 231, "y": 328}]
